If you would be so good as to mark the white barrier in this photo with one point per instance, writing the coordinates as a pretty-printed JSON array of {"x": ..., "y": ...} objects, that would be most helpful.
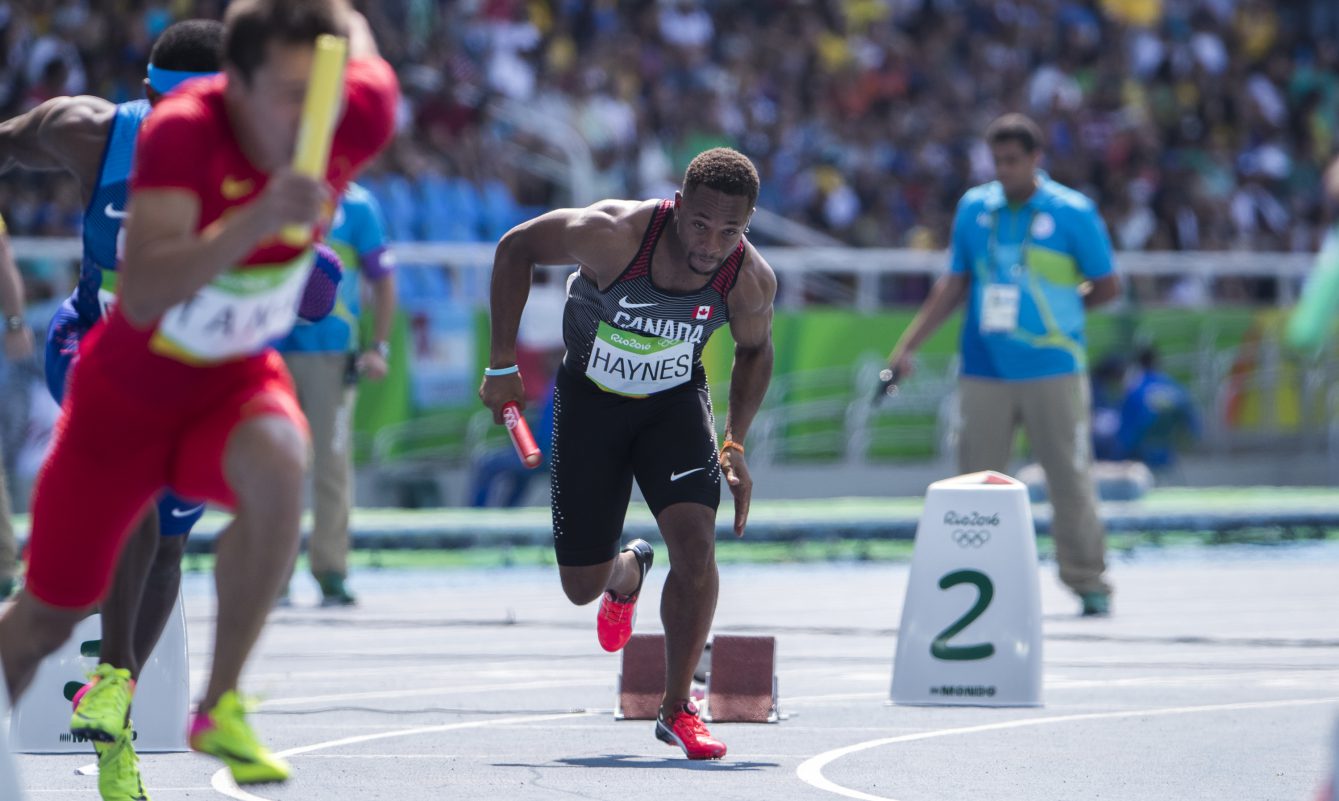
[
  {"x": 41, "y": 721},
  {"x": 971, "y": 622},
  {"x": 9, "y": 772}
]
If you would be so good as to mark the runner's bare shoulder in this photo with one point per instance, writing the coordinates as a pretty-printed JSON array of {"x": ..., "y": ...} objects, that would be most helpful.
[
  {"x": 607, "y": 236},
  {"x": 755, "y": 288},
  {"x": 68, "y": 133}
]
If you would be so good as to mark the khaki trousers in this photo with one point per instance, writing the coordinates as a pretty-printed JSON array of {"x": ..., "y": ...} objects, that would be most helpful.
[
  {"x": 9, "y": 551},
  {"x": 1055, "y": 413},
  {"x": 328, "y": 403}
]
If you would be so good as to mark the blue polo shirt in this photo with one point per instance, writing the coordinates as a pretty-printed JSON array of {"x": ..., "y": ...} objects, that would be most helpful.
[
  {"x": 1045, "y": 248},
  {"x": 358, "y": 235}
]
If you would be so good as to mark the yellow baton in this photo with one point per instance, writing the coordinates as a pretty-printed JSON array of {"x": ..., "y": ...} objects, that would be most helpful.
[{"x": 312, "y": 157}]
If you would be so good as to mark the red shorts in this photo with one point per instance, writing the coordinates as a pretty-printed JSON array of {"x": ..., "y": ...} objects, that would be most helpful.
[{"x": 131, "y": 427}]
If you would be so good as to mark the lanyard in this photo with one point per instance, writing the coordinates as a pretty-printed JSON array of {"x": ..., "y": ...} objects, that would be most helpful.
[{"x": 993, "y": 244}]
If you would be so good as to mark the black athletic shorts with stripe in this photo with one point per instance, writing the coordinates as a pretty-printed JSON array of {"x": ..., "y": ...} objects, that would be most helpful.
[{"x": 601, "y": 441}]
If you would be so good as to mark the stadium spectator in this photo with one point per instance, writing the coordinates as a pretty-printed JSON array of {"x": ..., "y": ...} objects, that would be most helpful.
[
  {"x": 1157, "y": 415},
  {"x": 1201, "y": 124}
]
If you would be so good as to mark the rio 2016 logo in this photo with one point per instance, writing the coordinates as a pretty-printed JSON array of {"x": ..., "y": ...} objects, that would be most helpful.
[{"x": 952, "y": 518}]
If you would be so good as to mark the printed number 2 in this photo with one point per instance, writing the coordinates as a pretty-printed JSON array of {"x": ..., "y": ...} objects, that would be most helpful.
[{"x": 940, "y": 648}]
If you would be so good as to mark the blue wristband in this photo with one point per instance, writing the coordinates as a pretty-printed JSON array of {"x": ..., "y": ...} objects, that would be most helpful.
[{"x": 491, "y": 372}]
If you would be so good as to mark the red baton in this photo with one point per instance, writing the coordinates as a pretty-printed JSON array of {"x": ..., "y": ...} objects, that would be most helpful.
[{"x": 521, "y": 436}]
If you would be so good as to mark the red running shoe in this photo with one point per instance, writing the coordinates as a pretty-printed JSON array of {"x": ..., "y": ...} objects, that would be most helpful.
[
  {"x": 613, "y": 625},
  {"x": 686, "y": 730}
]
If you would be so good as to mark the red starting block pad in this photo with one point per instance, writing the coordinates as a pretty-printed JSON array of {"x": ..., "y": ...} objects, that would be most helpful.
[
  {"x": 741, "y": 685},
  {"x": 641, "y": 684}
]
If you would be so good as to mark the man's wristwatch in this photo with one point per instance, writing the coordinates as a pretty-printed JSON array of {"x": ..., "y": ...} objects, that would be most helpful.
[
  {"x": 13, "y": 322},
  {"x": 383, "y": 348}
]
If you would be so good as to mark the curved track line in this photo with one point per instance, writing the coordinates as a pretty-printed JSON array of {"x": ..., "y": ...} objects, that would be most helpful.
[
  {"x": 811, "y": 770},
  {"x": 223, "y": 783}
]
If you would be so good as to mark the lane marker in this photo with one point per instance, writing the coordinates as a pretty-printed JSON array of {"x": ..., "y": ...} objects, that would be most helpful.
[{"x": 811, "y": 770}]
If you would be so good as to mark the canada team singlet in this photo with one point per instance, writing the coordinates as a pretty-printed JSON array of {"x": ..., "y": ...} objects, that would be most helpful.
[{"x": 635, "y": 339}]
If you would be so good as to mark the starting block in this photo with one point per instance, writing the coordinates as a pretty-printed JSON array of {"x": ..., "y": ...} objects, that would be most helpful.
[
  {"x": 741, "y": 684},
  {"x": 740, "y": 676},
  {"x": 41, "y": 720},
  {"x": 971, "y": 622},
  {"x": 641, "y": 684}
]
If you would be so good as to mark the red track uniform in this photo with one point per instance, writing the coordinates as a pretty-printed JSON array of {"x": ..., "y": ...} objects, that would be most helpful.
[{"x": 148, "y": 408}]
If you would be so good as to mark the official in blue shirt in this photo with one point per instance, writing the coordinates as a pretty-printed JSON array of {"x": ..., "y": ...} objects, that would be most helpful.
[
  {"x": 1029, "y": 256},
  {"x": 326, "y": 360}
]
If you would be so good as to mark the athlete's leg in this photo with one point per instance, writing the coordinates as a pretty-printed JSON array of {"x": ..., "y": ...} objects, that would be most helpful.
[
  {"x": 688, "y": 602},
  {"x": 82, "y": 514},
  {"x": 584, "y": 583},
  {"x": 29, "y": 631},
  {"x": 247, "y": 451},
  {"x": 132, "y": 620},
  {"x": 675, "y": 461},
  {"x": 120, "y": 608},
  {"x": 176, "y": 516},
  {"x": 161, "y": 589},
  {"x": 264, "y": 463},
  {"x": 589, "y": 490}
]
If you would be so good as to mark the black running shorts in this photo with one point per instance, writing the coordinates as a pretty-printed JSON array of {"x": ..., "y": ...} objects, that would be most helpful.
[{"x": 601, "y": 441}]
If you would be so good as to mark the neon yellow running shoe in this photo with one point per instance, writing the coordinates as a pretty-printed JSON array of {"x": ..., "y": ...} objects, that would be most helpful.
[
  {"x": 104, "y": 709},
  {"x": 118, "y": 770},
  {"x": 224, "y": 733}
]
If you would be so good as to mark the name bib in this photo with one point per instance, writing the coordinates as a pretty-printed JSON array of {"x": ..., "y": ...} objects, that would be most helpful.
[
  {"x": 631, "y": 364},
  {"x": 999, "y": 309},
  {"x": 237, "y": 314}
]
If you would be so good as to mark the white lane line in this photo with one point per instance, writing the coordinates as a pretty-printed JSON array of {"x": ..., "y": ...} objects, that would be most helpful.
[
  {"x": 390, "y": 756},
  {"x": 811, "y": 770},
  {"x": 442, "y": 690},
  {"x": 92, "y": 769},
  {"x": 222, "y": 781},
  {"x": 75, "y": 791}
]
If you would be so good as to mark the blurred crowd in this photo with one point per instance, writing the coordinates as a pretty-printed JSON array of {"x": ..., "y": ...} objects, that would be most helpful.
[{"x": 1195, "y": 124}]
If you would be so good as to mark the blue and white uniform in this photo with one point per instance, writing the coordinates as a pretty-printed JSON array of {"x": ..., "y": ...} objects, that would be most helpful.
[
  {"x": 96, "y": 289},
  {"x": 358, "y": 235},
  {"x": 1025, "y": 316}
]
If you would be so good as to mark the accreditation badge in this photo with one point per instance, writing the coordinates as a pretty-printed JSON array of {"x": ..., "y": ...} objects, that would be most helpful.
[{"x": 999, "y": 309}]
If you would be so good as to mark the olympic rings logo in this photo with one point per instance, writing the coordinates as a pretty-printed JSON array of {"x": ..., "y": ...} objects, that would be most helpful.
[{"x": 971, "y": 538}]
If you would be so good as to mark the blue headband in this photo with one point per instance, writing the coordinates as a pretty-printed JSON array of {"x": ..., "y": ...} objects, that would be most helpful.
[{"x": 164, "y": 81}]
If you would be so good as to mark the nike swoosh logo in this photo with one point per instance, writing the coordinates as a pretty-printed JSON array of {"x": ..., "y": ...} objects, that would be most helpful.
[
  {"x": 234, "y": 188},
  {"x": 187, "y": 512},
  {"x": 677, "y": 476},
  {"x": 114, "y": 213},
  {"x": 623, "y": 301}
]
